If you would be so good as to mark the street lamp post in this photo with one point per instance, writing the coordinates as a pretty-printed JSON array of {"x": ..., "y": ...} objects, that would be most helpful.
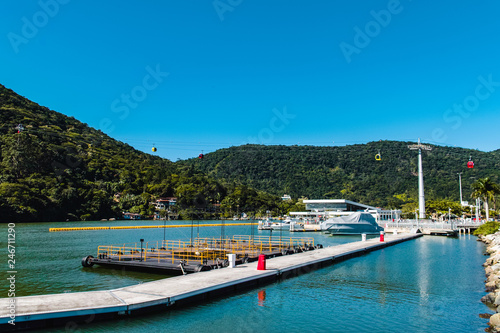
[
  {"x": 164, "y": 228},
  {"x": 460, "y": 184},
  {"x": 142, "y": 241},
  {"x": 478, "y": 210}
]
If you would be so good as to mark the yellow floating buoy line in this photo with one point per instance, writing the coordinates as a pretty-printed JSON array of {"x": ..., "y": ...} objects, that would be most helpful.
[{"x": 148, "y": 226}]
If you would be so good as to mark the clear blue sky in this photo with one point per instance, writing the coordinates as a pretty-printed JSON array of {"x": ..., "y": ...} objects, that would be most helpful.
[{"x": 193, "y": 75}]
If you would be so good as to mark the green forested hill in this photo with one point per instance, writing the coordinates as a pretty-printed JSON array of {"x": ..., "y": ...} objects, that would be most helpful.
[
  {"x": 351, "y": 172},
  {"x": 57, "y": 168}
]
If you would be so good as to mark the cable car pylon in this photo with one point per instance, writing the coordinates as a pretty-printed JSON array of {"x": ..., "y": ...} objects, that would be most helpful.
[{"x": 421, "y": 196}]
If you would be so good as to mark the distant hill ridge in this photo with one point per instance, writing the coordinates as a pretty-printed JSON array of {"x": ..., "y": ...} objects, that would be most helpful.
[{"x": 350, "y": 172}]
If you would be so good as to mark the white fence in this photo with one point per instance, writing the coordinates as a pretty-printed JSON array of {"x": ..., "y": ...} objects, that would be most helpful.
[{"x": 429, "y": 224}]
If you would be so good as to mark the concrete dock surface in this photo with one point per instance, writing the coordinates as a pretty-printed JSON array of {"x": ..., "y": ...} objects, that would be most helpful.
[{"x": 58, "y": 309}]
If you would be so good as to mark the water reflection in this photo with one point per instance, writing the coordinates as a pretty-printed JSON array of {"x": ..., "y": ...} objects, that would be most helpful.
[
  {"x": 261, "y": 296},
  {"x": 422, "y": 263}
]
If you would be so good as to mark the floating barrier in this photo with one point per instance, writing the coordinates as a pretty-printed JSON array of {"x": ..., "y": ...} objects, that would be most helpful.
[{"x": 149, "y": 226}]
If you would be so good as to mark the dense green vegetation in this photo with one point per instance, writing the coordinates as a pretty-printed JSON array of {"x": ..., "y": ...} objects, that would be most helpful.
[
  {"x": 487, "y": 228},
  {"x": 486, "y": 190},
  {"x": 351, "y": 172},
  {"x": 58, "y": 168}
]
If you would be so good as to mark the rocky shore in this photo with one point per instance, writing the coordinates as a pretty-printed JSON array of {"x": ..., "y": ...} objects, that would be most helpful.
[{"x": 492, "y": 270}]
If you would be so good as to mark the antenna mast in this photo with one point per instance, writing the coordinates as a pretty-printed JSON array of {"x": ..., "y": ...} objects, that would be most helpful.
[{"x": 421, "y": 196}]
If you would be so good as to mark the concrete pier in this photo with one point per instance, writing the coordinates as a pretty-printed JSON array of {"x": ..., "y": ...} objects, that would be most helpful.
[{"x": 85, "y": 307}]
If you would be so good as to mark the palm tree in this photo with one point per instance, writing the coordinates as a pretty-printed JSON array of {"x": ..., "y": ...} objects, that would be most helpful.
[{"x": 485, "y": 189}]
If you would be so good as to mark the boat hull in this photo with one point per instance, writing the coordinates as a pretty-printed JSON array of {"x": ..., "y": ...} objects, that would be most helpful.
[
  {"x": 355, "y": 224},
  {"x": 281, "y": 226},
  {"x": 354, "y": 229}
]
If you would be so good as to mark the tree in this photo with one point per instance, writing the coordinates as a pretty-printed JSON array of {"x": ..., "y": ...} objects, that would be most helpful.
[{"x": 485, "y": 189}]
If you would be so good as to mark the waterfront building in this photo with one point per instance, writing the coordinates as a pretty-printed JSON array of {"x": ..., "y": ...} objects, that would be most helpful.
[
  {"x": 286, "y": 197},
  {"x": 131, "y": 216},
  {"x": 325, "y": 208},
  {"x": 165, "y": 203}
]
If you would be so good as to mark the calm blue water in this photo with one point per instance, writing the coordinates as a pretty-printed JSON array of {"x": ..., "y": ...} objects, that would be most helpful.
[
  {"x": 432, "y": 284},
  {"x": 50, "y": 262}
]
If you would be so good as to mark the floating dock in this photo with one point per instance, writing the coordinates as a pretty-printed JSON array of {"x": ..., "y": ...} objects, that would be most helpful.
[
  {"x": 86, "y": 307},
  {"x": 199, "y": 254}
]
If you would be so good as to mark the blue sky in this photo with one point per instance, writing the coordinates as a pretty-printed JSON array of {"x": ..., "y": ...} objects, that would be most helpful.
[{"x": 192, "y": 76}]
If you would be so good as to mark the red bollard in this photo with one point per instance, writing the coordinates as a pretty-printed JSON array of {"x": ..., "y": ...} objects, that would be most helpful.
[
  {"x": 261, "y": 265},
  {"x": 381, "y": 236}
]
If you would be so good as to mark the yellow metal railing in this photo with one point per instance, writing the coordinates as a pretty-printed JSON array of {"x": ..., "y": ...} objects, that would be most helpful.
[
  {"x": 201, "y": 250},
  {"x": 283, "y": 241}
]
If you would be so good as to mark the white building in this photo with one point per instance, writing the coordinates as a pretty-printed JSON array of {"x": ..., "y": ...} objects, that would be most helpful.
[
  {"x": 165, "y": 203},
  {"x": 340, "y": 207}
]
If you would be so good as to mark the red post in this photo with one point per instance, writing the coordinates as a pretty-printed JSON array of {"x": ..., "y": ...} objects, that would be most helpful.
[
  {"x": 261, "y": 265},
  {"x": 381, "y": 236}
]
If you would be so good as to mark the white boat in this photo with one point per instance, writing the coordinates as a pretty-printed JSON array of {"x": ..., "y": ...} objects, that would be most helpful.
[
  {"x": 270, "y": 224},
  {"x": 265, "y": 224},
  {"x": 283, "y": 225},
  {"x": 353, "y": 224}
]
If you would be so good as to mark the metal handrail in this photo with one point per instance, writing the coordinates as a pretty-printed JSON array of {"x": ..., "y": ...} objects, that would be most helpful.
[{"x": 200, "y": 250}]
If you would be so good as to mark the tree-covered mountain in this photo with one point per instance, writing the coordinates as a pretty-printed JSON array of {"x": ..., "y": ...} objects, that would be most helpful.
[
  {"x": 57, "y": 168},
  {"x": 351, "y": 172}
]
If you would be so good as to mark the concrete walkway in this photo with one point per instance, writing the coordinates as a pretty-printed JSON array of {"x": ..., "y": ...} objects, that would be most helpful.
[{"x": 58, "y": 309}]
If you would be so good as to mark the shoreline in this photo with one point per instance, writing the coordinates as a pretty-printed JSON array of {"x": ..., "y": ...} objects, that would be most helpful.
[{"x": 492, "y": 283}]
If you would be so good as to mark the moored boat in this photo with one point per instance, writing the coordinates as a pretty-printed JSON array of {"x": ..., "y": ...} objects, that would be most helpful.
[
  {"x": 265, "y": 224},
  {"x": 272, "y": 224},
  {"x": 282, "y": 225},
  {"x": 353, "y": 224}
]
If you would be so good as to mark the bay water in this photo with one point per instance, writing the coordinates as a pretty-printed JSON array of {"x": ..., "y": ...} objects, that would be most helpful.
[{"x": 431, "y": 284}]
